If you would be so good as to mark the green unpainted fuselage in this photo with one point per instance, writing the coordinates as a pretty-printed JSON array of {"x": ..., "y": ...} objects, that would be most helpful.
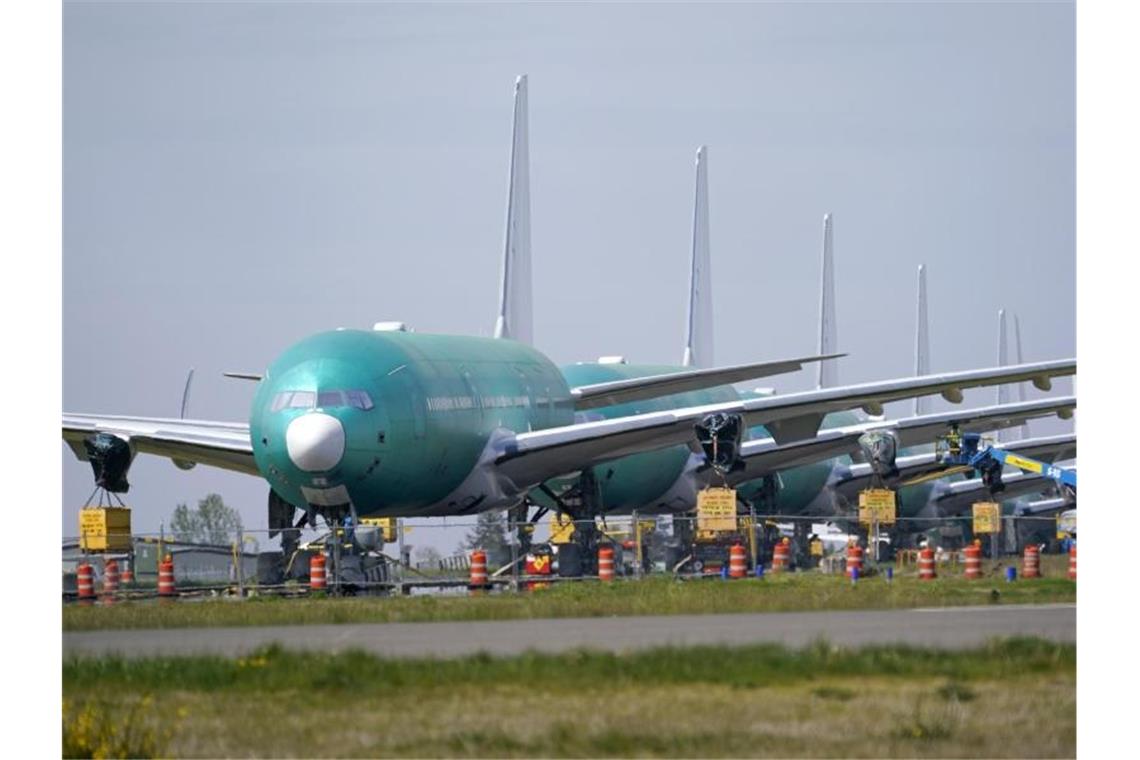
[{"x": 436, "y": 401}]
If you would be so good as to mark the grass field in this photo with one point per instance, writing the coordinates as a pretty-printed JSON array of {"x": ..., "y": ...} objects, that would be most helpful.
[
  {"x": 1013, "y": 698},
  {"x": 650, "y": 596}
]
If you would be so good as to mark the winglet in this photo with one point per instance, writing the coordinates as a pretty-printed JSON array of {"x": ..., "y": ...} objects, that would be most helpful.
[
  {"x": 921, "y": 342},
  {"x": 828, "y": 337},
  {"x": 186, "y": 394},
  {"x": 516, "y": 315},
  {"x": 699, "y": 337}
]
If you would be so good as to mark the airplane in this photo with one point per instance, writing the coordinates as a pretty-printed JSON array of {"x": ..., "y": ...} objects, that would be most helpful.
[{"x": 389, "y": 422}]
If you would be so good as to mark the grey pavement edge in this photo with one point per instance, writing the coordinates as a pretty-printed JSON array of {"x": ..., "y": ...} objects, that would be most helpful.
[{"x": 949, "y": 628}]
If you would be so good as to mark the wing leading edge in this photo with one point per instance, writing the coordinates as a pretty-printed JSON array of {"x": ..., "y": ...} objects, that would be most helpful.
[{"x": 217, "y": 444}]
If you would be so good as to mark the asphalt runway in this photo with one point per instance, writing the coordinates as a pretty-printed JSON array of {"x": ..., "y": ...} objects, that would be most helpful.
[{"x": 953, "y": 627}]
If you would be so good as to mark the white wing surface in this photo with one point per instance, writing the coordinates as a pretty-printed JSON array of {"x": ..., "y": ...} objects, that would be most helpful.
[
  {"x": 217, "y": 444},
  {"x": 527, "y": 459}
]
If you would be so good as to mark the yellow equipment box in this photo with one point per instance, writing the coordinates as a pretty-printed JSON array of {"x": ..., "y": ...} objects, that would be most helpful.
[
  {"x": 105, "y": 529},
  {"x": 877, "y": 505},
  {"x": 987, "y": 517},
  {"x": 716, "y": 510},
  {"x": 387, "y": 526}
]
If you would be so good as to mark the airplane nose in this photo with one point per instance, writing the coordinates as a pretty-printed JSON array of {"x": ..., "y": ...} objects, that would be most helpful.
[{"x": 315, "y": 442}]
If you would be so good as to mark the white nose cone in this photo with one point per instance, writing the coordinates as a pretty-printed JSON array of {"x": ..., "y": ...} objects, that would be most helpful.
[{"x": 315, "y": 442}]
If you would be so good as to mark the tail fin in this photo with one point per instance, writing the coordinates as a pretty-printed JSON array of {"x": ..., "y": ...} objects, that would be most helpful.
[
  {"x": 1003, "y": 391},
  {"x": 516, "y": 310},
  {"x": 699, "y": 338},
  {"x": 921, "y": 342},
  {"x": 828, "y": 338},
  {"x": 1024, "y": 430}
]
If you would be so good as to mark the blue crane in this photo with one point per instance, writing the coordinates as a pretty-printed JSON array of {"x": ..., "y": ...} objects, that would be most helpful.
[{"x": 968, "y": 451}]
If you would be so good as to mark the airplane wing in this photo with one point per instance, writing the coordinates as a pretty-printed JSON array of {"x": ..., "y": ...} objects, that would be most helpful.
[
  {"x": 765, "y": 456},
  {"x": 527, "y": 459},
  {"x": 218, "y": 444},
  {"x": 913, "y": 468},
  {"x": 654, "y": 386},
  {"x": 956, "y": 498}
]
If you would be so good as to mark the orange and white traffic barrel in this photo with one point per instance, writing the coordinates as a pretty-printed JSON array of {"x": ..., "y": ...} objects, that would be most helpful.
[
  {"x": 85, "y": 581},
  {"x": 926, "y": 565},
  {"x": 110, "y": 577},
  {"x": 973, "y": 554},
  {"x": 318, "y": 577},
  {"x": 606, "y": 563},
  {"x": 478, "y": 570},
  {"x": 1073, "y": 562},
  {"x": 855, "y": 559},
  {"x": 166, "y": 577},
  {"x": 1031, "y": 562},
  {"x": 128, "y": 575},
  {"x": 781, "y": 556},
  {"x": 737, "y": 564}
]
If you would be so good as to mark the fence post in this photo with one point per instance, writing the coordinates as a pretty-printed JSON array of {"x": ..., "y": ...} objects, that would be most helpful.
[
  {"x": 400, "y": 549},
  {"x": 239, "y": 549}
]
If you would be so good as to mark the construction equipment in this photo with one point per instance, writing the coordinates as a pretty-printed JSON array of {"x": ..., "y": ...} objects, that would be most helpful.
[{"x": 971, "y": 452}]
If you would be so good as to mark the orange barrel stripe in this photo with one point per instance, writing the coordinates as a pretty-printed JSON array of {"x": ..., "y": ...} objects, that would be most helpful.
[
  {"x": 1073, "y": 562},
  {"x": 166, "y": 577},
  {"x": 973, "y": 562},
  {"x": 737, "y": 564},
  {"x": 318, "y": 579},
  {"x": 85, "y": 581},
  {"x": 606, "y": 563},
  {"x": 926, "y": 565},
  {"x": 1031, "y": 562},
  {"x": 111, "y": 577},
  {"x": 478, "y": 570},
  {"x": 781, "y": 557},
  {"x": 855, "y": 559}
]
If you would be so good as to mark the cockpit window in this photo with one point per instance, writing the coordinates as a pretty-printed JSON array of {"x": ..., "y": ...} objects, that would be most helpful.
[
  {"x": 327, "y": 399},
  {"x": 358, "y": 399},
  {"x": 302, "y": 400}
]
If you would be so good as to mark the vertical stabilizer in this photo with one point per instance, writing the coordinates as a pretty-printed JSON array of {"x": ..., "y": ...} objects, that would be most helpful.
[
  {"x": 516, "y": 312},
  {"x": 699, "y": 329},
  {"x": 828, "y": 338},
  {"x": 1019, "y": 360},
  {"x": 1004, "y": 396},
  {"x": 921, "y": 342}
]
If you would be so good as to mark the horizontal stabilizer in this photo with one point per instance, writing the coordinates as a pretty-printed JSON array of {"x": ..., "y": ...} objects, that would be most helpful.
[
  {"x": 243, "y": 375},
  {"x": 655, "y": 386}
]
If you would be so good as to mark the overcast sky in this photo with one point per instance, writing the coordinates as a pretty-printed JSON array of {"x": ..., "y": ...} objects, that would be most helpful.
[{"x": 240, "y": 175}]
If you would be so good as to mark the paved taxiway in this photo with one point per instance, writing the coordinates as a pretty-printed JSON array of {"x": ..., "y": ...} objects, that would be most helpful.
[{"x": 953, "y": 627}]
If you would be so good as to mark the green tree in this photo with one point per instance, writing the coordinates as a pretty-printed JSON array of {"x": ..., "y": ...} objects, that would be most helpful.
[
  {"x": 427, "y": 557},
  {"x": 490, "y": 535},
  {"x": 211, "y": 523}
]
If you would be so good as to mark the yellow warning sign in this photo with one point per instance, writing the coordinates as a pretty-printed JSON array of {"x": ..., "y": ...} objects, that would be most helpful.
[
  {"x": 716, "y": 509},
  {"x": 877, "y": 505},
  {"x": 987, "y": 517},
  {"x": 561, "y": 529},
  {"x": 1024, "y": 464},
  {"x": 103, "y": 529}
]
